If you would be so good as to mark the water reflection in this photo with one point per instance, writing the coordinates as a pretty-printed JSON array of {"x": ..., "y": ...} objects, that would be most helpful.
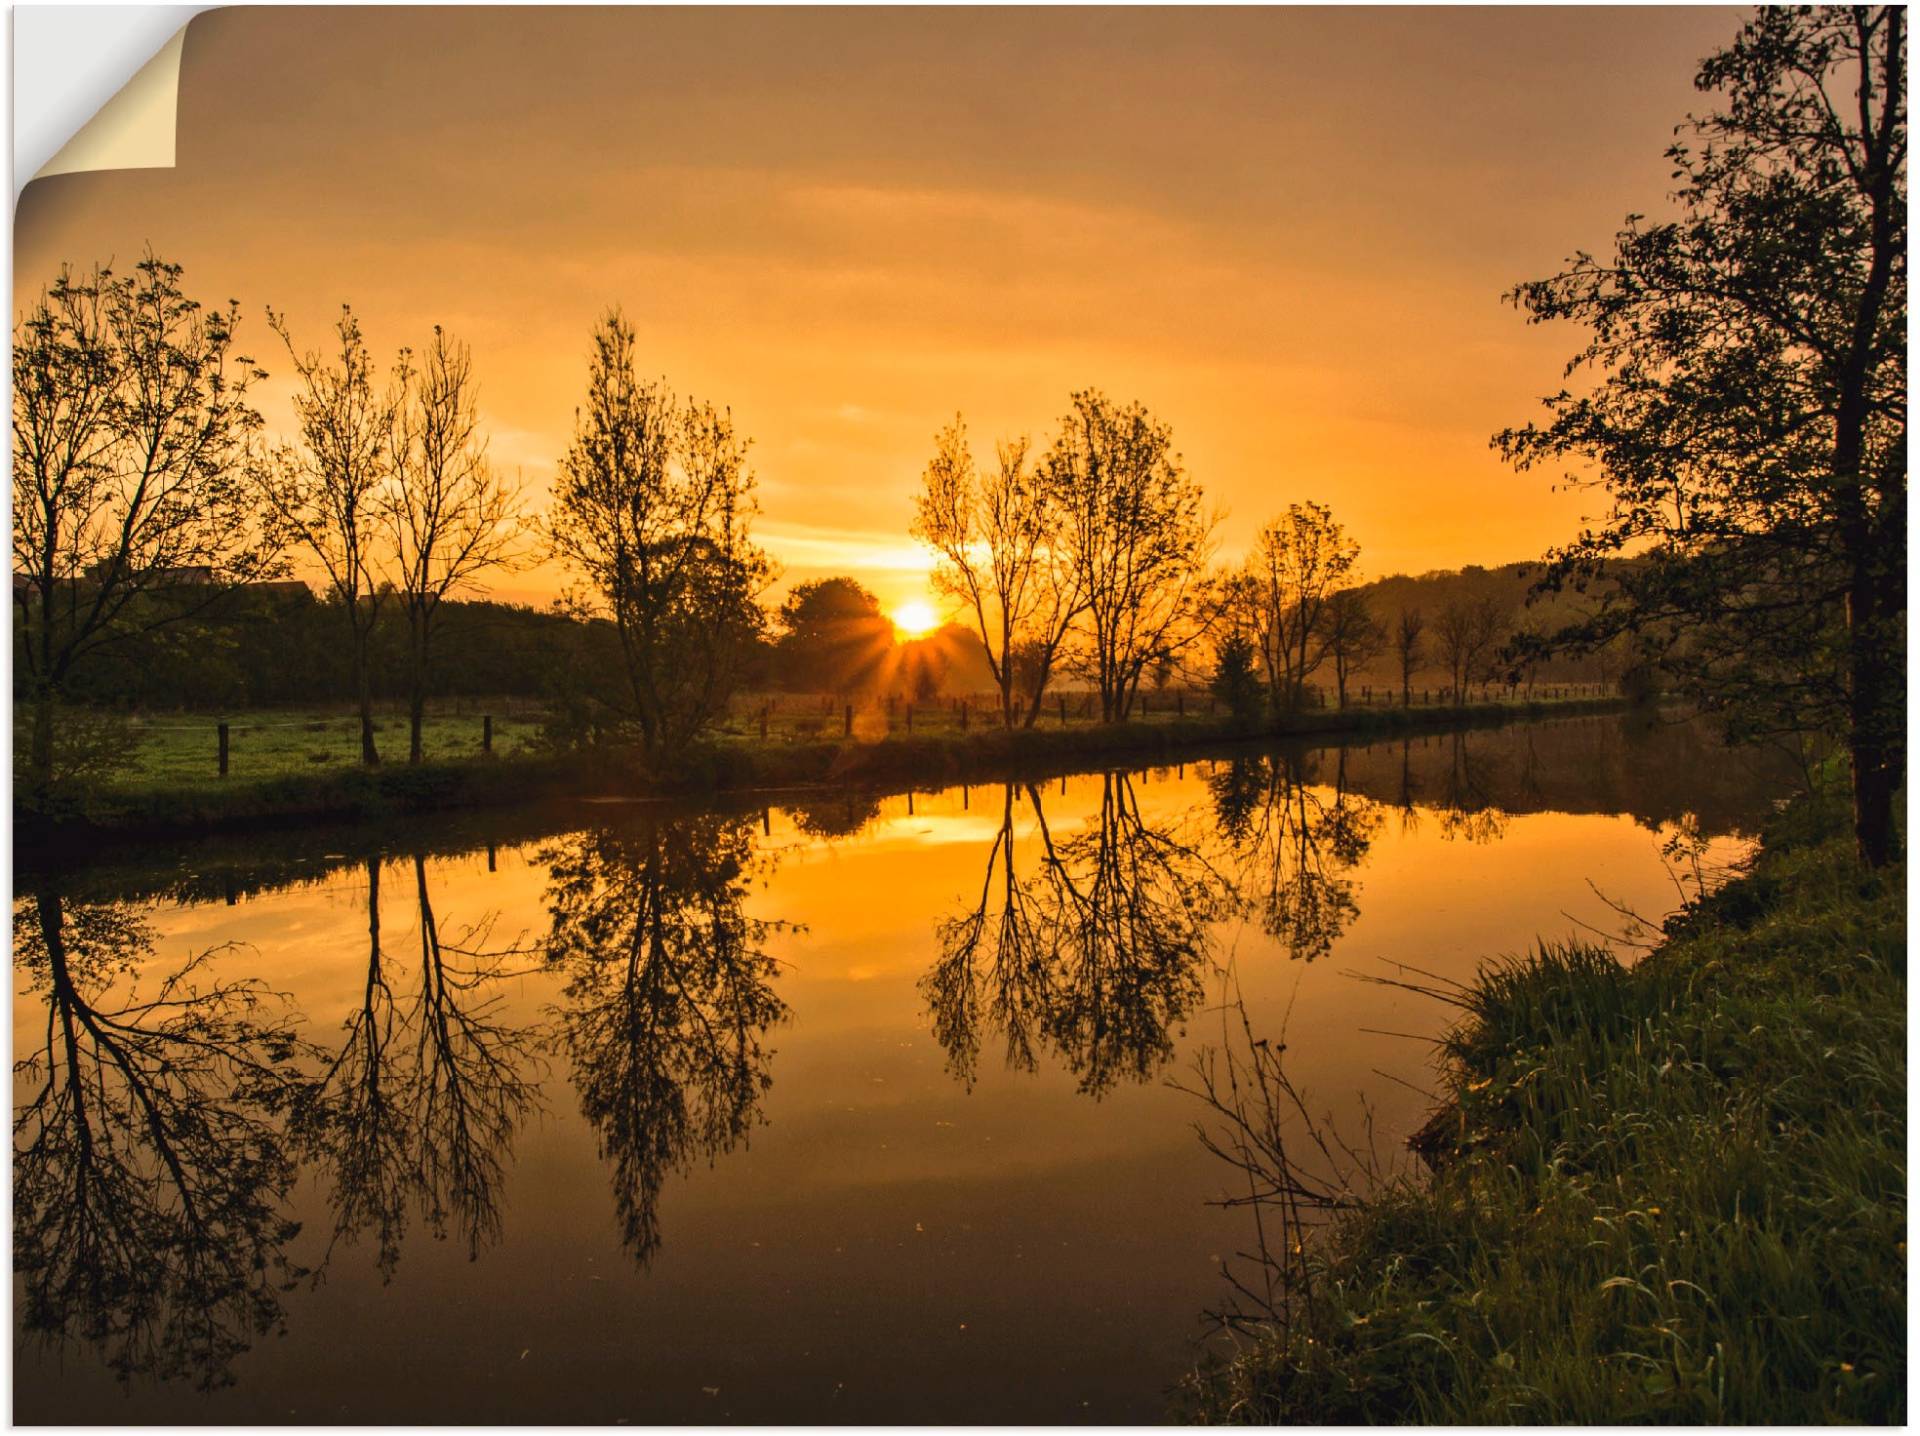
[
  {"x": 151, "y": 1167},
  {"x": 1095, "y": 951},
  {"x": 418, "y": 1106},
  {"x": 166, "y": 1117},
  {"x": 1296, "y": 844},
  {"x": 668, "y": 998}
]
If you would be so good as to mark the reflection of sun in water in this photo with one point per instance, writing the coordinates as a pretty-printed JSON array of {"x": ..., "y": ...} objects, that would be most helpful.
[{"x": 915, "y": 619}]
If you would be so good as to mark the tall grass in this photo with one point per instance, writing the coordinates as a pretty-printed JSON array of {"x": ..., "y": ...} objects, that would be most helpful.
[{"x": 1673, "y": 1192}]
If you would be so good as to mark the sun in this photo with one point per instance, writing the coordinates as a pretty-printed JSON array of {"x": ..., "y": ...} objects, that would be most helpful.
[{"x": 915, "y": 619}]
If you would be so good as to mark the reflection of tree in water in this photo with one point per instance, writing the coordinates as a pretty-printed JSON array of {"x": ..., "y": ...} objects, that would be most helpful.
[
  {"x": 834, "y": 816},
  {"x": 667, "y": 1000},
  {"x": 419, "y": 1106},
  {"x": 1296, "y": 849},
  {"x": 1467, "y": 810},
  {"x": 150, "y": 1162},
  {"x": 1096, "y": 953}
]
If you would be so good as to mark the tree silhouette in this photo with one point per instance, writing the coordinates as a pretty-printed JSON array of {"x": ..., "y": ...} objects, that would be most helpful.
[
  {"x": 130, "y": 508},
  {"x": 652, "y": 505},
  {"x": 1747, "y": 411},
  {"x": 151, "y": 1161},
  {"x": 1000, "y": 556},
  {"x": 668, "y": 999},
  {"x": 1134, "y": 531}
]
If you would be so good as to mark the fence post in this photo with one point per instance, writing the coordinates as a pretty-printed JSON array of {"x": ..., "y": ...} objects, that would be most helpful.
[
  {"x": 486, "y": 734},
  {"x": 909, "y": 717},
  {"x": 223, "y": 750},
  {"x": 848, "y": 730}
]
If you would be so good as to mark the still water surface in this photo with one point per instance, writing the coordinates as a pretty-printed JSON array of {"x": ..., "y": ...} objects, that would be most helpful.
[{"x": 839, "y": 1110}]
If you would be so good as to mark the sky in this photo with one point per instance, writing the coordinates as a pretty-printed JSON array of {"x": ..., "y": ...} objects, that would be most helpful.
[{"x": 1287, "y": 232}]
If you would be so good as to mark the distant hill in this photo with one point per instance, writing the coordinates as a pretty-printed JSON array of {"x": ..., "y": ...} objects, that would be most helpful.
[{"x": 1429, "y": 593}]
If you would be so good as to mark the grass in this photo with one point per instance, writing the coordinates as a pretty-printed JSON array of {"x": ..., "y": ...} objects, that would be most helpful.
[
  {"x": 1674, "y": 1192},
  {"x": 175, "y": 750}
]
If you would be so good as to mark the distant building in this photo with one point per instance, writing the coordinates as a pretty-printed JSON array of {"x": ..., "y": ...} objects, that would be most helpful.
[{"x": 289, "y": 587}]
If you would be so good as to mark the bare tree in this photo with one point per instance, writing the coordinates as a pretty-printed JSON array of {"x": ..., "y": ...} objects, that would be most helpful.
[
  {"x": 451, "y": 516},
  {"x": 328, "y": 494},
  {"x": 130, "y": 413},
  {"x": 1409, "y": 646},
  {"x": 1469, "y": 632},
  {"x": 999, "y": 555},
  {"x": 1136, "y": 536},
  {"x": 652, "y": 504},
  {"x": 1299, "y": 561},
  {"x": 1353, "y": 636}
]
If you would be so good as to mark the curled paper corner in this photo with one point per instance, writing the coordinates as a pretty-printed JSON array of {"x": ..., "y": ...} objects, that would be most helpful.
[{"x": 60, "y": 124}]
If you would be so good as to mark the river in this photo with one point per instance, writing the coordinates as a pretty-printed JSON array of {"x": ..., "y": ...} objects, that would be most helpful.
[{"x": 842, "y": 1109}]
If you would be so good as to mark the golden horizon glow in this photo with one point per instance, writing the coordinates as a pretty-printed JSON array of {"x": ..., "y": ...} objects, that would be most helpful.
[{"x": 915, "y": 618}]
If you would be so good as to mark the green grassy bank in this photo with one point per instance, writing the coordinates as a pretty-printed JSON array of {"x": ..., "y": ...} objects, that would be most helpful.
[
  {"x": 154, "y": 802},
  {"x": 1674, "y": 1192}
]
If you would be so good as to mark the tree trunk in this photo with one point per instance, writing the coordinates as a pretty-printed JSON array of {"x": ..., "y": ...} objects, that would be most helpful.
[
  {"x": 363, "y": 693},
  {"x": 41, "y": 752},
  {"x": 1875, "y": 718},
  {"x": 416, "y": 689}
]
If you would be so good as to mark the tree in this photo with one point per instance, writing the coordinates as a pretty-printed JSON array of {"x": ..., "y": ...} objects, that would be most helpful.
[
  {"x": 1135, "y": 537},
  {"x": 1747, "y": 413},
  {"x": 1236, "y": 678},
  {"x": 834, "y": 638},
  {"x": 328, "y": 494},
  {"x": 1353, "y": 637},
  {"x": 1000, "y": 556},
  {"x": 1299, "y": 561},
  {"x": 1409, "y": 647},
  {"x": 450, "y": 516},
  {"x": 652, "y": 504},
  {"x": 130, "y": 512},
  {"x": 1468, "y": 634}
]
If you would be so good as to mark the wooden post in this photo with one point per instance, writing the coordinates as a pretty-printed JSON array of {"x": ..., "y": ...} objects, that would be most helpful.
[
  {"x": 223, "y": 750},
  {"x": 848, "y": 731},
  {"x": 486, "y": 734},
  {"x": 492, "y": 859},
  {"x": 909, "y": 717}
]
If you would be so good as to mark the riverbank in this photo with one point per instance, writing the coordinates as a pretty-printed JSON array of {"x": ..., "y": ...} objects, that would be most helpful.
[
  {"x": 1674, "y": 1192},
  {"x": 343, "y": 794}
]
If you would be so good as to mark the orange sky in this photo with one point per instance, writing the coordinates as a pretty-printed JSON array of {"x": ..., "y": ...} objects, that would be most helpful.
[{"x": 1285, "y": 231}]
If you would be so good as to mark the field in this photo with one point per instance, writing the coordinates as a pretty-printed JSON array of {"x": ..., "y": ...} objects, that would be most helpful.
[{"x": 179, "y": 749}]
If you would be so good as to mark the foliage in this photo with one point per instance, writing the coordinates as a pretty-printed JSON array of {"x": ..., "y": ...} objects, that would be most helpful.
[
  {"x": 1299, "y": 561},
  {"x": 833, "y": 638},
  {"x": 1135, "y": 535},
  {"x": 130, "y": 510},
  {"x": 653, "y": 504},
  {"x": 1236, "y": 681},
  {"x": 999, "y": 556},
  {"x": 1747, "y": 411}
]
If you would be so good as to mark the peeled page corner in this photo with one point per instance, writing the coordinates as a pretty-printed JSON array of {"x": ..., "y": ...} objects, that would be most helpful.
[{"x": 136, "y": 128}]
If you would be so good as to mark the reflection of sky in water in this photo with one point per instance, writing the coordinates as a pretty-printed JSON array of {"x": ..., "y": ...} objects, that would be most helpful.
[{"x": 888, "y": 1244}]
